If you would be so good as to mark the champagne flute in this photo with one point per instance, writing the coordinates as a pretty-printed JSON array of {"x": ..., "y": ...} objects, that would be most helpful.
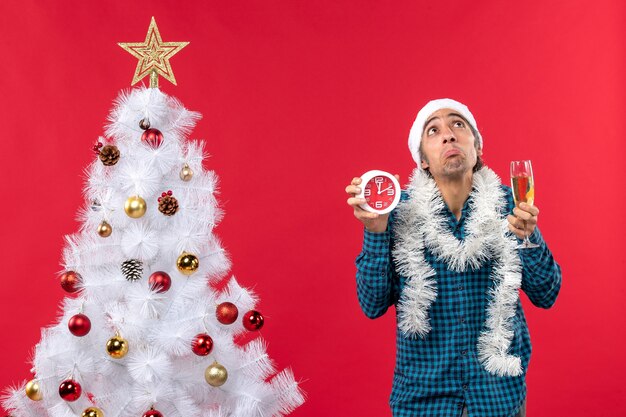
[{"x": 523, "y": 192}]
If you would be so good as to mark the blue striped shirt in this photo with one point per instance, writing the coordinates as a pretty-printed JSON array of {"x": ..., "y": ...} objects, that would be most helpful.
[{"x": 439, "y": 374}]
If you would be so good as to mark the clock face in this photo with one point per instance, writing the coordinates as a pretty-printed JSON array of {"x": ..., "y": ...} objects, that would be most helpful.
[{"x": 380, "y": 192}]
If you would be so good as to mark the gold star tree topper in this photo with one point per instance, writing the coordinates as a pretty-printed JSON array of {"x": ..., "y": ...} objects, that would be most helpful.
[{"x": 154, "y": 56}]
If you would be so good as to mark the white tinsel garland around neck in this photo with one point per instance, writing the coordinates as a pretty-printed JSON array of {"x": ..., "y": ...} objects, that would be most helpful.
[{"x": 421, "y": 224}]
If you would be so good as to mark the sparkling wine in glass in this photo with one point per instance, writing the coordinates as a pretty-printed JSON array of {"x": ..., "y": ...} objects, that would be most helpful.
[{"x": 523, "y": 191}]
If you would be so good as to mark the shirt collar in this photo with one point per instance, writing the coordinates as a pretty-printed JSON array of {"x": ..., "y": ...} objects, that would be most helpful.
[{"x": 464, "y": 213}]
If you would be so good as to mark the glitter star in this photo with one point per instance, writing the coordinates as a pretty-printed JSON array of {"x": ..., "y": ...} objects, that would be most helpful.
[{"x": 153, "y": 55}]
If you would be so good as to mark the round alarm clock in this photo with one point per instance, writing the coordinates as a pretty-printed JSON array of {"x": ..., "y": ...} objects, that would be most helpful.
[{"x": 380, "y": 190}]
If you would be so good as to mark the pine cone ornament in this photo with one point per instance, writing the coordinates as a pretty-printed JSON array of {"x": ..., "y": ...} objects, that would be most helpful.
[
  {"x": 168, "y": 204},
  {"x": 132, "y": 269},
  {"x": 109, "y": 155}
]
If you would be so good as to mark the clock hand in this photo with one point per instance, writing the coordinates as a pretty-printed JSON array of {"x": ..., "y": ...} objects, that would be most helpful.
[
  {"x": 382, "y": 191},
  {"x": 378, "y": 186}
]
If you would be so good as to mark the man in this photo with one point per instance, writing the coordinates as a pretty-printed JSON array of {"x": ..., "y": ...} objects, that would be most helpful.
[{"x": 447, "y": 258}]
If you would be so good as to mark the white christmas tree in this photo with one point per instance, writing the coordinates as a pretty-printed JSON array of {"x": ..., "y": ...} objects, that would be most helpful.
[{"x": 144, "y": 332}]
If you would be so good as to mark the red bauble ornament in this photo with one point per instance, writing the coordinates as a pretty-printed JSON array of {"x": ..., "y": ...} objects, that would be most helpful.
[
  {"x": 70, "y": 281},
  {"x": 152, "y": 413},
  {"x": 70, "y": 390},
  {"x": 79, "y": 325},
  {"x": 227, "y": 313},
  {"x": 253, "y": 320},
  {"x": 153, "y": 137},
  {"x": 160, "y": 281},
  {"x": 202, "y": 344}
]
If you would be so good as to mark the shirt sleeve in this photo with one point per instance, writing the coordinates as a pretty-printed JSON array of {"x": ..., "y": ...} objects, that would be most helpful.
[
  {"x": 541, "y": 275},
  {"x": 376, "y": 280}
]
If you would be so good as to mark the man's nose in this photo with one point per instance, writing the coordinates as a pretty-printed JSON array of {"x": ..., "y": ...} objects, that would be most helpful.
[{"x": 448, "y": 136}]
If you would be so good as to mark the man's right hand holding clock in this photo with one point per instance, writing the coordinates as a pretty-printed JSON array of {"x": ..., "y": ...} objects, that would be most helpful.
[{"x": 373, "y": 222}]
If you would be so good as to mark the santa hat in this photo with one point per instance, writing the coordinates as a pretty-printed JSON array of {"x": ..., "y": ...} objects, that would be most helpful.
[{"x": 415, "y": 136}]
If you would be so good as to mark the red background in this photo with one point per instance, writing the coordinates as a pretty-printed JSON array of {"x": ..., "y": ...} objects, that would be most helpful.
[{"x": 298, "y": 97}]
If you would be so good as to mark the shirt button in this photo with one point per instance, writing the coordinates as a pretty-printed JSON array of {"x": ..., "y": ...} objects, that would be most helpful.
[
  {"x": 460, "y": 288},
  {"x": 462, "y": 319},
  {"x": 465, "y": 387},
  {"x": 464, "y": 352}
]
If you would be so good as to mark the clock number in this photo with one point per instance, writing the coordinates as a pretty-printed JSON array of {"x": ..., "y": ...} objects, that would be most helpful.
[
  {"x": 378, "y": 180},
  {"x": 368, "y": 192},
  {"x": 391, "y": 191},
  {"x": 379, "y": 204}
]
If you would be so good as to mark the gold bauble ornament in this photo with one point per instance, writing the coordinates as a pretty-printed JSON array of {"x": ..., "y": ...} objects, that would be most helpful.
[
  {"x": 104, "y": 229},
  {"x": 187, "y": 263},
  {"x": 135, "y": 207},
  {"x": 33, "y": 390},
  {"x": 117, "y": 347},
  {"x": 215, "y": 375},
  {"x": 93, "y": 412},
  {"x": 186, "y": 173}
]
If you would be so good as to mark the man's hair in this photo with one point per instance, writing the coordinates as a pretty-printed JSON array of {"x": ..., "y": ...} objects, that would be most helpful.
[{"x": 479, "y": 159}]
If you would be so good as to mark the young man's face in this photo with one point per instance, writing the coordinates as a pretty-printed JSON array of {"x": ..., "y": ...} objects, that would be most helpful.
[{"x": 448, "y": 145}]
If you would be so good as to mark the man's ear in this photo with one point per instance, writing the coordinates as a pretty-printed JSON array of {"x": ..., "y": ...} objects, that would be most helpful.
[
  {"x": 424, "y": 164},
  {"x": 479, "y": 151}
]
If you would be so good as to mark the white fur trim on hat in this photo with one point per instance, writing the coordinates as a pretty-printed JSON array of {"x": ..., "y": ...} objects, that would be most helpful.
[{"x": 415, "y": 135}]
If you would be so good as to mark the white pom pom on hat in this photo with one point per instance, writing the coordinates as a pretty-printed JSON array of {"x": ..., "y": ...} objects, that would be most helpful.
[{"x": 415, "y": 135}]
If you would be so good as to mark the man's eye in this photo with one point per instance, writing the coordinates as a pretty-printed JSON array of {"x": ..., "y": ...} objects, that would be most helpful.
[
  {"x": 459, "y": 123},
  {"x": 432, "y": 131}
]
